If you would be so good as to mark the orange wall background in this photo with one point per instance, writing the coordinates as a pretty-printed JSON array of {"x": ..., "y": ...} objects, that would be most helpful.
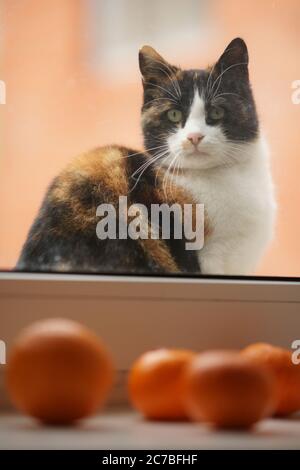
[{"x": 57, "y": 107}]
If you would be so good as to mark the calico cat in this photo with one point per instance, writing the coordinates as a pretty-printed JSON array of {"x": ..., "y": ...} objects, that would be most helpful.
[{"x": 202, "y": 145}]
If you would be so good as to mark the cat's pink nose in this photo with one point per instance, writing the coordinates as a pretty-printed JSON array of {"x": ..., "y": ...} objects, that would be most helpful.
[{"x": 195, "y": 138}]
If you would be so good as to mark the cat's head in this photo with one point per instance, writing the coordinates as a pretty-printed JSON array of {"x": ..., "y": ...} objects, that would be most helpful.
[{"x": 198, "y": 118}]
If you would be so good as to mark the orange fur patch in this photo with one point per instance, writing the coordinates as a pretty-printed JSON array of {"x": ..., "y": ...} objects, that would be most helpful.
[{"x": 103, "y": 168}]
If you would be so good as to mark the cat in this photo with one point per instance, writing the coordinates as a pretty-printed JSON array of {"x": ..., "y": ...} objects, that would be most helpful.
[{"x": 203, "y": 144}]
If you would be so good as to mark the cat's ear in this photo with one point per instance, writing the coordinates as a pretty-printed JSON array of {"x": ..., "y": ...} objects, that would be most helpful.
[
  {"x": 153, "y": 66},
  {"x": 235, "y": 56}
]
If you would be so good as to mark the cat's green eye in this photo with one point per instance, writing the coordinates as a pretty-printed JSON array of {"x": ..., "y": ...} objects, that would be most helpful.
[
  {"x": 174, "y": 115},
  {"x": 216, "y": 113}
]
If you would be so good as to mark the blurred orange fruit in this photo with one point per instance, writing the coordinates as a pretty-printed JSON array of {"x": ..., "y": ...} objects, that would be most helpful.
[
  {"x": 155, "y": 383},
  {"x": 58, "y": 371},
  {"x": 225, "y": 389},
  {"x": 287, "y": 374}
]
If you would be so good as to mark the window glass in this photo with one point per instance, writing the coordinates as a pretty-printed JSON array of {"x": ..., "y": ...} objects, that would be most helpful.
[{"x": 153, "y": 137}]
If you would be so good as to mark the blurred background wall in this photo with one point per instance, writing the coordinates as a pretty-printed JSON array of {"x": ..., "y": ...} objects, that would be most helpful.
[{"x": 72, "y": 82}]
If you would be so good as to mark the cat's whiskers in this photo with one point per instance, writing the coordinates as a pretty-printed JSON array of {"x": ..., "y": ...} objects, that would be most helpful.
[
  {"x": 179, "y": 166},
  {"x": 167, "y": 178},
  {"x": 163, "y": 139},
  {"x": 162, "y": 98},
  {"x": 219, "y": 78},
  {"x": 146, "y": 151},
  {"x": 208, "y": 84},
  {"x": 164, "y": 89},
  {"x": 208, "y": 87},
  {"x": 176, "y": 169},
  {"x": 146, "y": 165},
  {"x": 223, "y": 94},
  {"x": 234, "y": 153},
  {"x": 174, "y": 80}
]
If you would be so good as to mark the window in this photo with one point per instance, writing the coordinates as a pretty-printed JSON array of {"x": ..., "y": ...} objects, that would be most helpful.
[
  {"x": 70, "y": 82},
  {"x": 118, "y": 29}
]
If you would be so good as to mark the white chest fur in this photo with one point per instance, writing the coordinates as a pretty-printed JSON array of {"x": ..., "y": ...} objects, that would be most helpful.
[{"x": 239, "y": 201}]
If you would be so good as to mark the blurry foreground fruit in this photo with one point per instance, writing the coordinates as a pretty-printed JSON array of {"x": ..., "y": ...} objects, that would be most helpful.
[
  {"x": 155, "y": 383},
  {"x": 225, "y": 389},
  {"x": 287, "y": 374},
  {"x": 58, "y": 371}
]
